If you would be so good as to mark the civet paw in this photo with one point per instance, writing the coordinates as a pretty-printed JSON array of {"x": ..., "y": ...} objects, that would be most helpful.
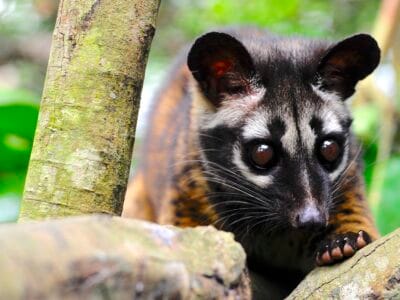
[{"x": 340, "y": 247}]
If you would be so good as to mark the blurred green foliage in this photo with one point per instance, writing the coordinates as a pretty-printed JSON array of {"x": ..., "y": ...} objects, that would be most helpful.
[
  {"x": 18, "y": 114},
  {"x": 179, "y": 22},
  {"x": 389, "y": 210}
]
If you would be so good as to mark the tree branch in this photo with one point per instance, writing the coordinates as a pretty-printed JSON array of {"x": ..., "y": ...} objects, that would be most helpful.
[
  {"x": 103, "y": 257},
  {"x": 373, "y": 273}
]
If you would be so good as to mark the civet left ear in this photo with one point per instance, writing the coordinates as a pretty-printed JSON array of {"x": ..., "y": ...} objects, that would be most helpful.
[
  {"x": 221, "y": 65},
  {"x": 346, "y": 63}
]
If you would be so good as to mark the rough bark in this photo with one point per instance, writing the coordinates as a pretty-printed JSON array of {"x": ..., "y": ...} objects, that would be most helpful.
[
  {"x": 373, "y": 273},
  {"x": 102, "y": 257},
  {"x": 113, "y": 258},
  {"x": 83, "y": 144}
]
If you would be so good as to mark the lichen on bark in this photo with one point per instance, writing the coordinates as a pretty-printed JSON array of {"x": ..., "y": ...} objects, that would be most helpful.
[
  {"x": 82, "y": 149},
  {"x": 102, "y": 257}
]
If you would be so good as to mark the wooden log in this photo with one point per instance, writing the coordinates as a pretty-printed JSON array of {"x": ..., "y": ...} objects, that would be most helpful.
[{"x": 102, "y": 257}]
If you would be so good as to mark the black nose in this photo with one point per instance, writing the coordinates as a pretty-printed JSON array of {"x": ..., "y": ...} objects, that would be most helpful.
[{"x": 310, "y": 217}]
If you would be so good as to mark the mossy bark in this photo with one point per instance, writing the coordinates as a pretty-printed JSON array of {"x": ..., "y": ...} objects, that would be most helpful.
[
  {"x": 82, "y": 149},
  {"x": 102, "y": 257}
]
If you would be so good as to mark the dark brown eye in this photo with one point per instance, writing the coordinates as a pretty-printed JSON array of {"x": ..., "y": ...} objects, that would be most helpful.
[
  {"x": 329, "y": 150},
  {"x": 262, "y": 155}
]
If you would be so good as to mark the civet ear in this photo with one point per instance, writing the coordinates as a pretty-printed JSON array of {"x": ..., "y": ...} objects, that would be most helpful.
[
  {"x": 221, "y": 65},
  {"x": 346, "y": 63}
]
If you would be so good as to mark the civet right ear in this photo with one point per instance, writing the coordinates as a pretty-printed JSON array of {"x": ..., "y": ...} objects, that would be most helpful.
[{"x": 347, "y": 62}]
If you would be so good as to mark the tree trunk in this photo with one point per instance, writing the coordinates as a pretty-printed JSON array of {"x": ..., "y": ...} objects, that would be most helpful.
[
  {"x": 103, "y": 257},
  {"x": 373, "y": 273},
  {"x": 83, "y": 144}
]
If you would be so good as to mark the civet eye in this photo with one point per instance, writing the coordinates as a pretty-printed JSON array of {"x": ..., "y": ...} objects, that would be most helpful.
[
  {"x": 262, "y": 155},
  {"x": 329, "y": 150}
]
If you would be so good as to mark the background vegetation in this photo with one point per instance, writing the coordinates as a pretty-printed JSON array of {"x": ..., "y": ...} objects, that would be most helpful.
[{"x": 25, "y": 35}]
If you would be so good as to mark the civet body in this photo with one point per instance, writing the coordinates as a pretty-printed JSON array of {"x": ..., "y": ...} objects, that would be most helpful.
[{"x": 251, "y": 133}]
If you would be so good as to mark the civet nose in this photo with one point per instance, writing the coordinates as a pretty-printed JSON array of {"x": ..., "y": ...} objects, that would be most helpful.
[{"x": 309, "y": 217}]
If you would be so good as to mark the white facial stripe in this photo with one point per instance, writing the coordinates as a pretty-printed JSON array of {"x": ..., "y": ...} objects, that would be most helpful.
[
  {"x": 307, "y": 134},
  {"x": 289, "y": 139},
  {"x": 330, "y": 122},
  {"x": 233, "y": 110},
  {"x": 333, "y": 111},
  {"x": 256, "y": 126},
  {"x": 308, "y": 137},
  {"x": 325, "y": 95},
  {"x": 228, "y": 116},
  {"x": 259, "y": 180},
  {"x": 306, "y": 184}
]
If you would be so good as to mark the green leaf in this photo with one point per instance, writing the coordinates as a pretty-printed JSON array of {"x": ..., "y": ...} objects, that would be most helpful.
[
  {"x": 12, "y": 182},
  {"x": 389, "y": 209},
  {"x": 18, "y": 117},
  {"x": 370, "y": 152}
]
